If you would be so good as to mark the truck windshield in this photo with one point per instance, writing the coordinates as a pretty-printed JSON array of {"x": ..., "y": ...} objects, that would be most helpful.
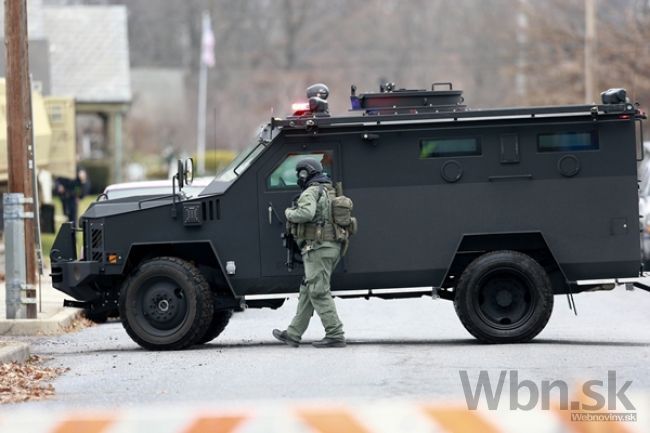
[{"x": 248, "y": 155}]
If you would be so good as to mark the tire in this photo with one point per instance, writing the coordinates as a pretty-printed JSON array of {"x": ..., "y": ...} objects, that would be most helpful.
[
  {"x": 504, "y": 297},
  {"x": 219, "y": 322},
  {"x": 166, "y": 304}
]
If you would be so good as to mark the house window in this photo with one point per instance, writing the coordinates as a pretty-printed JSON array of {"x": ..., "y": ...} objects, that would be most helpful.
[
  {"x": 567, "y": 141},
  {"x": 56, "y": 114},
  {"x": 284, "y": 176},
  {"x": 442, "y": 147}
]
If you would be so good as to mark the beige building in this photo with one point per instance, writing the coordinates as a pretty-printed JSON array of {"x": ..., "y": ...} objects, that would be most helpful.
[
  {"x": 54, "y": 134},
  {"x": 82, "y": 53}
]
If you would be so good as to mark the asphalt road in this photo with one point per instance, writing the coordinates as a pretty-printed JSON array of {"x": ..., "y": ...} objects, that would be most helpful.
[{"x": 411, "y": 349}]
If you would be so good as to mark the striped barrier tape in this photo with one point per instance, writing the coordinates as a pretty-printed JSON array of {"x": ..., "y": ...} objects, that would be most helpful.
[{"x": 377, "y": 417}]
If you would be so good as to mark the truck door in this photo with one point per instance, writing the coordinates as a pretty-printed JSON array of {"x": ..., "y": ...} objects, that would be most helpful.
[{"x": 277, "y": 187}]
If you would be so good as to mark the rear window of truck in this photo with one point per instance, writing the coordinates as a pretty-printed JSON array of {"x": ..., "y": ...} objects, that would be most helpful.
[
  {"x": 442, "y": 147},
  {"x": 567, "y": 141}
]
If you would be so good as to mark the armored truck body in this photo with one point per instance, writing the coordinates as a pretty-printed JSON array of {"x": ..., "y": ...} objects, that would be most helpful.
[{"x": 497, "y": 210}]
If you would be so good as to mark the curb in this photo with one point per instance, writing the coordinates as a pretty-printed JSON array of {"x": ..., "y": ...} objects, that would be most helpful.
[
  {"x": 50, "y": 326},
  {"x": 13, "y": 351}
]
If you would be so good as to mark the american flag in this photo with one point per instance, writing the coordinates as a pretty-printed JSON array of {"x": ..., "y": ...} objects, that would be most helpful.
[{"x": 207, "y": 41}]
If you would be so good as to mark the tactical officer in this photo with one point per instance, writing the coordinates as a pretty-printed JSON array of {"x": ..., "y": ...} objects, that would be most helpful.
[{"x": 315, "y": 235}]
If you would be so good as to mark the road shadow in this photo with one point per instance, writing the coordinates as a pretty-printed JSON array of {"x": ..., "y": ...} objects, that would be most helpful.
[
  {"x": 592, "y": 343},
  {"x": 468, "y": 342},
  {"x": 432, "y": 343},
  {"x": 352, "y": 342}
]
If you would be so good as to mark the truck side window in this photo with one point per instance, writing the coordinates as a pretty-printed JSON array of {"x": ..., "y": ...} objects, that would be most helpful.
[
  {"x": 443, "y": 147},
  {"x": 284, "y": 176},
  {"x": 567, "y": 141}
]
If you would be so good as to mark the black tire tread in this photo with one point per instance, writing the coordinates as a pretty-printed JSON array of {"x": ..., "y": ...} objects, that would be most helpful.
[
  {"x": 204, "y": 312},
  {"x": 528, "y": 264},
  {"x": 219, "y": 322}
]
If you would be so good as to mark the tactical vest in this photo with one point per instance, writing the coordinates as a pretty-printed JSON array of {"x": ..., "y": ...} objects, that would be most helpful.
[
  {"x": 321, "y": 228},
  {"x": 333, "y": 220}
]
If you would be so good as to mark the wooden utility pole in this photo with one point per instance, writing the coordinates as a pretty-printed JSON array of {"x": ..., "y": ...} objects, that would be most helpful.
[{"x": 19, "y": 127}]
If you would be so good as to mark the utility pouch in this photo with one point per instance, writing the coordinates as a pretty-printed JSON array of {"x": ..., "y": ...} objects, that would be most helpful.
[
  {"x": 318, "y": 232},
  {"x": 342, "y": 210},
  {"x": 353, "y": 227}
]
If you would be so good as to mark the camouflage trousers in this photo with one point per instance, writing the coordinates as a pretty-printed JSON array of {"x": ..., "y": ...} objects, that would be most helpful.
[{"x": 315, "y": 293}]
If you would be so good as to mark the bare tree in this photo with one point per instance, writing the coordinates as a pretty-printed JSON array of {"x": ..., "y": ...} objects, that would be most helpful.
[
  {"x": 558, "y": 43},
  {"x": 268, "y": 51}
]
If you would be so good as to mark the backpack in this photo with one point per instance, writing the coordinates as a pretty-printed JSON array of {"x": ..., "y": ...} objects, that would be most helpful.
[
  {"x": 342, "y": 213},
  {"x": 345, "y": 225}
]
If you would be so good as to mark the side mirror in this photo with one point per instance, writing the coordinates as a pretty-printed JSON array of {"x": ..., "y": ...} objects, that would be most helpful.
[
  {"x": 188, "y": 172},
  {"x": 180, "y": 170}
]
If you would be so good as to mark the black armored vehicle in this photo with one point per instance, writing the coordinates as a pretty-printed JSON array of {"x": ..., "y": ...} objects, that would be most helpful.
[{"x": 497, "y": 210}]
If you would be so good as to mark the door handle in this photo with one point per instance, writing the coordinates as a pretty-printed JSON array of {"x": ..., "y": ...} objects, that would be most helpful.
[{"x": 272, "y": 212}]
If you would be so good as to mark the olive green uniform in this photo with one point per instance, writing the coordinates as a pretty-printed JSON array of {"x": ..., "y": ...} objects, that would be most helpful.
[{"x": 320, "y": 257}]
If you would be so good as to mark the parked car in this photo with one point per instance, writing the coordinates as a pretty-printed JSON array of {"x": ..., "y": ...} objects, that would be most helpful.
[{"x": 153, "y": 188}]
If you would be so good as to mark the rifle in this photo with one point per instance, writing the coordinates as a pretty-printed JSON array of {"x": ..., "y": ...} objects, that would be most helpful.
[
  {"x": 293, "y": 250},
  {"x": 288, "y": 240}
]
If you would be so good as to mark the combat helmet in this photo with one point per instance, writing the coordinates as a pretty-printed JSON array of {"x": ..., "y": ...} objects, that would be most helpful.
[{"x": 307, "y": 169}]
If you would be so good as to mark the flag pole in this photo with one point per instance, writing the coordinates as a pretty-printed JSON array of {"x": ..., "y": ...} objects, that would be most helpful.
[
  {"x": 207, "y": 60},
  {"x": 200, "y": 151}
]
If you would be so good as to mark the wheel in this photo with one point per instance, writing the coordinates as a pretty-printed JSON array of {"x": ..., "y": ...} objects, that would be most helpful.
[
  {"x": 504, "y": 297},
  {"x": 166, "y": 304},
  {"x": 219, "y": 322}
]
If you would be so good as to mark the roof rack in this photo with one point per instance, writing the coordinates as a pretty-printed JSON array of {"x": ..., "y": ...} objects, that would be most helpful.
[
  {"x": 461, "y": 114},
  {"x": 390, "y": 100}
]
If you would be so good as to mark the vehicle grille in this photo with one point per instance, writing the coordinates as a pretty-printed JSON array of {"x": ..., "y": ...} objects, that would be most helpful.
[
  {"x": 211, "y": 210},
  {"x": 96, "y": 242}
]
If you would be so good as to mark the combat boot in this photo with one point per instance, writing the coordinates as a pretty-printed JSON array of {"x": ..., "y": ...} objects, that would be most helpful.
[
  {"x": 283, "y": 337},
  {"x": 328, "y": 342}
]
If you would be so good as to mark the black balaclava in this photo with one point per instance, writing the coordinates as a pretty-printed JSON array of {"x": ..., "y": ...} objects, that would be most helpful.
[{"x": 309, "y": 171}]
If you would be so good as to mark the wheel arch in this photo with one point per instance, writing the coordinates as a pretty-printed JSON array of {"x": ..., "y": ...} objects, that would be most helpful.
[
  {"x": 532, "y": 244},
  {"x": 201, "y": 253}
]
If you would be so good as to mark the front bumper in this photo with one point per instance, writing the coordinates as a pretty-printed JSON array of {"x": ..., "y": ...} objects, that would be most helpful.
[
  {"x": 69, "y": 275},
  {"x": 76, "y": 278}
]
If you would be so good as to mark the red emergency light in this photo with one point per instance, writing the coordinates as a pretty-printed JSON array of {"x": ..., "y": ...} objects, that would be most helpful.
[{"x": 300, "y": 108}]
